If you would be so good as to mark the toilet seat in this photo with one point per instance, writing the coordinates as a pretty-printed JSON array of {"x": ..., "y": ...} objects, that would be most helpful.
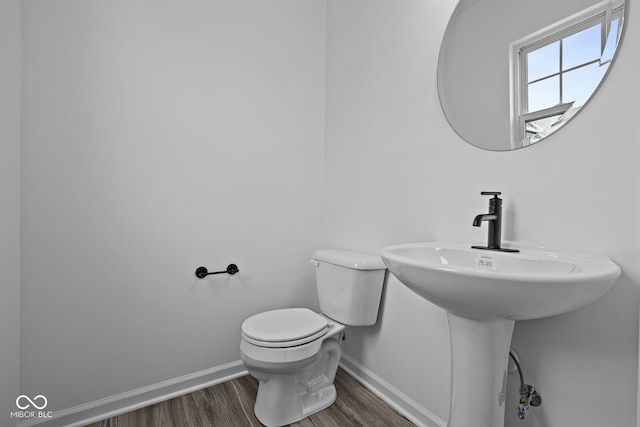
[{"x": 284, "y": 328}]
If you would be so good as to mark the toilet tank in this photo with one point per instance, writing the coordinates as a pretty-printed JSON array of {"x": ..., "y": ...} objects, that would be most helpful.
[{"x": 349, "y": 285}]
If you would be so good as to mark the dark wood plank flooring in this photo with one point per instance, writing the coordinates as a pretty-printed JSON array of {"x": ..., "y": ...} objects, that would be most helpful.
[{"x": 231, "y": 404}]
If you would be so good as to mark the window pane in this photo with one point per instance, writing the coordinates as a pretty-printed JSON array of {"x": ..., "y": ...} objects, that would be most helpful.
[
  {"x": 581, "y": 47},
  {"x": 578, "y": 85},
  {"x": 543, "y": 62},
  {"x": 612, "y": 42},
  {"x": 544, "y": 94}
]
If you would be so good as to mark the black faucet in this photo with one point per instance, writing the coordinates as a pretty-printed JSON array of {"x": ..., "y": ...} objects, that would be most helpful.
[{"x": 494, "y": 218}]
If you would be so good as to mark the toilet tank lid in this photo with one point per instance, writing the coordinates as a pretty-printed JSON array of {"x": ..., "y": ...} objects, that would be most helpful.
[{"x": 350, "y": 259}]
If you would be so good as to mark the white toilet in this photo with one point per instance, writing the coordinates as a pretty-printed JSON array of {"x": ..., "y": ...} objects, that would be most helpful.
[{"x": 294, "y": 352}]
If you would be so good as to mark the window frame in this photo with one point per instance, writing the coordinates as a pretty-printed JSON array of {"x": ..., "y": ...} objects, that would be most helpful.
[{"x": 600, "y": 13}]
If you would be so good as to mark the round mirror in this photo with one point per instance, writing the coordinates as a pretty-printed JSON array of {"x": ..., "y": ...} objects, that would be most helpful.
[{"x": 511, "y": 73}]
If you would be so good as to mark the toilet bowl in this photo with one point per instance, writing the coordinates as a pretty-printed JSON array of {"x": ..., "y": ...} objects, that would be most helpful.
[
  {"x": 296, "y": 373},
  {"x": 294, "y": 352}
]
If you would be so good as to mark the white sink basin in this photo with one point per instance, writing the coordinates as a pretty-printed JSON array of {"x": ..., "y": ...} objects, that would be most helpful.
[
  {"x": 484, "y": 292},
  {"x": 533, "y": 283}
]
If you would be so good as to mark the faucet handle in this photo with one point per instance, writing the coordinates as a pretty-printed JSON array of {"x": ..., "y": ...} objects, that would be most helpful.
[{"x": 495, "y": 200}]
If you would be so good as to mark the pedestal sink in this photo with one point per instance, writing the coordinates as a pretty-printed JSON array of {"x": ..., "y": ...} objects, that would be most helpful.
[{"x": 484, "y": 292}]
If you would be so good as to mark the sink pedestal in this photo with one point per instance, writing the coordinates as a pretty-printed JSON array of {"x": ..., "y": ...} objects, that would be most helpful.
[{"x": 479, "y": 361}]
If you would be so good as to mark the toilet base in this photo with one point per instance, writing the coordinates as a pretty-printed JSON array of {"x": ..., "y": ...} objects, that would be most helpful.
[
  {"x": 287, "y": 397},
  {"x": 277, "y": 406}
]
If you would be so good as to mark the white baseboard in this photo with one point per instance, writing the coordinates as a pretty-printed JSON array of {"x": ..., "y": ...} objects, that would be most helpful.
[
  {"x": 402, "y": 403},
  {"x": 112, "y": 406},
  {"x": 139, "y": 398}
]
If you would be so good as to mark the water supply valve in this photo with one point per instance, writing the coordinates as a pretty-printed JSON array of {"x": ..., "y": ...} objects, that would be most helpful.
[{"x": 529, "y": 396}]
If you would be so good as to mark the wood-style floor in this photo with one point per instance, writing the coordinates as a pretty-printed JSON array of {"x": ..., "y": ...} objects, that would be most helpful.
[{"x": 231, "y": 404}]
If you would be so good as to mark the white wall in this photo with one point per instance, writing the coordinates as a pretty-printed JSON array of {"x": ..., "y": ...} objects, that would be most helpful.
[
  {"x": 396, "y": 172},
  {"x": 161, "y": 136},
  {"x": 10, "y": 207}
]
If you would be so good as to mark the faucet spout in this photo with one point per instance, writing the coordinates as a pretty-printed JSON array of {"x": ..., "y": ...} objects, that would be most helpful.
[{"x": 477, "y": 221}]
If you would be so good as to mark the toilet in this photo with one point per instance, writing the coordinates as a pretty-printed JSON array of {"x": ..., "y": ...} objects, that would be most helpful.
[{"x": 294, "y": 352}]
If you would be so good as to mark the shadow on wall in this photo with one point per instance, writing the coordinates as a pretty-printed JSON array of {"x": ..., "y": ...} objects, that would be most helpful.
[{"x": 305, "y": 293}]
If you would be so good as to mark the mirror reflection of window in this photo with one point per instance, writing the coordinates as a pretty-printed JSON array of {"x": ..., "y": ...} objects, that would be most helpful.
[
  {"x": 561, "y": 70},
  {"x": 568, "y": 69}
]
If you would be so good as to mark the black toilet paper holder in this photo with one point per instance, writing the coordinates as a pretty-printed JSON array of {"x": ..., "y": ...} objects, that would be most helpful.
[{"x": 202, "y": 272}]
